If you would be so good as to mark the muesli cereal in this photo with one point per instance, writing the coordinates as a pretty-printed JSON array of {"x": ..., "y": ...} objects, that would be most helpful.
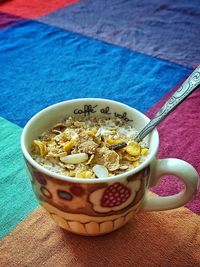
[{"x": 89, "y": 148}]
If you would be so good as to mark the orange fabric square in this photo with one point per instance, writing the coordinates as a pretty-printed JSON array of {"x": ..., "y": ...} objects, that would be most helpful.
[{"x": 167, "y": 239}]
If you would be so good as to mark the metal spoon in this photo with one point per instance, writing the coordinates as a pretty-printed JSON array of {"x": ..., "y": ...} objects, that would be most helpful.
[{"x": 188, "y": 86}]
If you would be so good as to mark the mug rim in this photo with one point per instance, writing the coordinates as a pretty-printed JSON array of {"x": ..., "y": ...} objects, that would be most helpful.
[{"x": 58, "y": 176}]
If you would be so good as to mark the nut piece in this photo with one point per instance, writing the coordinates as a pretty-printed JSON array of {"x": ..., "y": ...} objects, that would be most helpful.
[
  {"x": 70, "y": 166},
  {"x": 123, "y": 167},
  {"x": 100, "y": 171},
  {"x": 75, "y": 158},
  {"x": 118, "y": 146},
  {"x": 88, "y": 147},
  {"x": 58, "y": 128}
]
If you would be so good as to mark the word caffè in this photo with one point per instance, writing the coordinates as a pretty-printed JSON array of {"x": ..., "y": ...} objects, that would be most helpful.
[{"x": 89, "y": 109}]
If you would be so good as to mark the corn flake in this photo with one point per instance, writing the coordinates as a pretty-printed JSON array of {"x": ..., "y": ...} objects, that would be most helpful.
[
  {"x": 69, "y": 145},
  {"x": 41, "y": 146},
  {"x": 133, "y": 149}
]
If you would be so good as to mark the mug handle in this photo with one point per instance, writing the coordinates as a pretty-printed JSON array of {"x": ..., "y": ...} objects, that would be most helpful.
[{"x": 185, "y": 172}]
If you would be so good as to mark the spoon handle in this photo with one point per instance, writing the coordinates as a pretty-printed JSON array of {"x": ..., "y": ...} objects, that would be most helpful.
[{"x": 188, "y": 86}]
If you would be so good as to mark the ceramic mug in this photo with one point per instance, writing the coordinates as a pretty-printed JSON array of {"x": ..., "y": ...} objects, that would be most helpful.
[{"x": 78, "y": 205}]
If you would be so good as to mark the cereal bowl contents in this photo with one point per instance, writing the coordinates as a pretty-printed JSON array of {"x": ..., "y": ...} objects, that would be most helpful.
[{"x": 92, "y": 147}]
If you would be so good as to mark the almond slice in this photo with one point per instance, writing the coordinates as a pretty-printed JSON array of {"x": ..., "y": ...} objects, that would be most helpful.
[
  {"x": 100, "y": 171},
  {"x": 75, "y": 158}
]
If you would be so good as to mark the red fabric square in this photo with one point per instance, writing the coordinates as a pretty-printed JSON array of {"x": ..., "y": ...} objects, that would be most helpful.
[{"x": 33, "y": 8}]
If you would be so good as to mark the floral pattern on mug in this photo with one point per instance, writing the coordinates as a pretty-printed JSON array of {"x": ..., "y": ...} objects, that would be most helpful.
[{"x": 115, "y": 197}]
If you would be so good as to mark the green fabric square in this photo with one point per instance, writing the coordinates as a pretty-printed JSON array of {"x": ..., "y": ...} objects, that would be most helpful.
[{"x": 16, "y": 197}]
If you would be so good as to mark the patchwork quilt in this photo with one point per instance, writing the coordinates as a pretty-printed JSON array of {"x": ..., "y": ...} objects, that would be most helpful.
[{"x": 136, "y": 52}]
